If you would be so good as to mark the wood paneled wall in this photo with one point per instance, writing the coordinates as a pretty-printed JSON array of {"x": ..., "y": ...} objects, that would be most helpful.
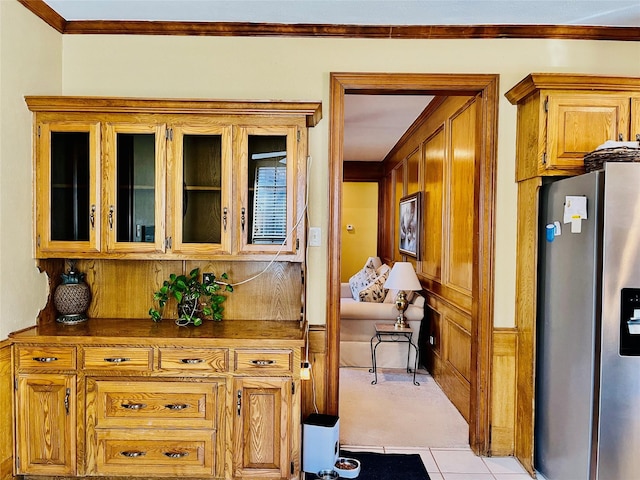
[
  {"x": 314, "y": 391},
  {"x": 503, "y": 388},
  {"x": 439, "y": 158},
  {"x": 6, "y": 425}
]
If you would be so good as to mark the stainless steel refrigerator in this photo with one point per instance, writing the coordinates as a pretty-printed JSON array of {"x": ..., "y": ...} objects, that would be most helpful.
[{"x": 587, "y": 410}]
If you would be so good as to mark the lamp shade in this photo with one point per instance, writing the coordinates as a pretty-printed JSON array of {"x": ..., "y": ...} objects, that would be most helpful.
[{"x": 403, "y": 277}]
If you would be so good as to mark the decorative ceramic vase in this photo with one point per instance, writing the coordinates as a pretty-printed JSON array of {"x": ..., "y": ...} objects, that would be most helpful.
[{"x": 72, "y": 298}]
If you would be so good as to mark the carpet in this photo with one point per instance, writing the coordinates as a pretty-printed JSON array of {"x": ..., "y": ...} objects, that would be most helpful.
[
  {"x": 385, "y": 466},
  {"x": 396, "y": 413}
]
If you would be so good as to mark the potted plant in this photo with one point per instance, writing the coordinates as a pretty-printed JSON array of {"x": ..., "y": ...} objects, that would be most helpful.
[{"x": 196, "y": 299}]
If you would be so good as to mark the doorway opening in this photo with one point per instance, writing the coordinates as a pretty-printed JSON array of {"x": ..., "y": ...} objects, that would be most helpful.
[{"x": 486, "y": 88}]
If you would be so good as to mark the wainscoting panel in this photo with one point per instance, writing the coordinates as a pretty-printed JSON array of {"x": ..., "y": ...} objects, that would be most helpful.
[
  {"x": 503, "y": 387},
  {"x": 6, "y": 425}
]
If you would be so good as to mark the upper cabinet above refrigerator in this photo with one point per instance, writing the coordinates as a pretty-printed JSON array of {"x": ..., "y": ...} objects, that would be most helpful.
[
  {"x": 567, "y": 116},
  {"x": 170, "y": 179}
]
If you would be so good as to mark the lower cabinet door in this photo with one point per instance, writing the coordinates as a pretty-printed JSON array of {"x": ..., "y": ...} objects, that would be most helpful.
[
  {"x": 46, "y": 424},
  {"x": 155, "y": 453},
  {"x": 262, "y": 424}
]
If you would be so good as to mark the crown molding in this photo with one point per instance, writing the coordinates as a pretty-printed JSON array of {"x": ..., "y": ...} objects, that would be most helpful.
[{"x": 244, "y": 29}]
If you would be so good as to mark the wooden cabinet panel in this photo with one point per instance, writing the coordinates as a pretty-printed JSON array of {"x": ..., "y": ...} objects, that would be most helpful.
[
  {"x": 121, "y": 358},
  {"x": 112, "y": 403},
  {"x": 49, "y": 358},
  {"x": 262, "y": 428},
  {"x": 157, "y": 453},
  {"x": 635, "y": 119},
  {"x": 256, "y": 361},
  {"x": 46, "y": 424},
  {"x": 577, "y": 124}
]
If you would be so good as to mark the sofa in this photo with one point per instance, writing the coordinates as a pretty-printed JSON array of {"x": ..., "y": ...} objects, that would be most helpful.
[{"x": 358, "y": 318}]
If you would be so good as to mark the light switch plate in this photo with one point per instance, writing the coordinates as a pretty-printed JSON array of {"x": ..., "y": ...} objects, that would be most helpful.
[{"x": 315, "y": 236}]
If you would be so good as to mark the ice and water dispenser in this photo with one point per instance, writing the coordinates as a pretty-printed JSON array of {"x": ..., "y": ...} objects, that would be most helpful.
[{"x": 630, "y": 321}]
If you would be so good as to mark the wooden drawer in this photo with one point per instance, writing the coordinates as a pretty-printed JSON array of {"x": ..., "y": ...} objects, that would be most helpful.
[
  {"x": 121, "y": 358},
  {"x": 268, "y": 361},
  {"x": 206, "y": 359},
  {"x": 132, "y": 403},
  {"x": 45, "y": 357},
  {"x": 155, "y": 453}
]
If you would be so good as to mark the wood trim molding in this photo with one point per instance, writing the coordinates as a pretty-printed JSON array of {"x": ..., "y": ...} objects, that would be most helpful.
[
  {"x": 246, "y": 29},
  {"x": 486, "y": 87},
  {"x": 6, "y": 426}
]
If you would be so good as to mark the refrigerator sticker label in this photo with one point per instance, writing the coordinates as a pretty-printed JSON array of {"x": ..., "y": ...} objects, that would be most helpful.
[{"x": 575, "y": 210}]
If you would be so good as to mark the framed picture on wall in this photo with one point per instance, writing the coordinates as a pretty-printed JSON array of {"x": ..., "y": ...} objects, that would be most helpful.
[{"x": 410, "y": 221}]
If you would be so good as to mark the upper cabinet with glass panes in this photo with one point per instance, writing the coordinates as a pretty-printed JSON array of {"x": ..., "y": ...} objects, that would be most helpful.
[{"x": 170, "y": 179}]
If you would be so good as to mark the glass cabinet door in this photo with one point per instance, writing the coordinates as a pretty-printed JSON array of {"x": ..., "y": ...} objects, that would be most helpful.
[
  {"x": 68, "y": 216},
  {"x": 201, "y": 183},
  {"x": 268, "y": 189},
  {"x": 135, "y": 204}
]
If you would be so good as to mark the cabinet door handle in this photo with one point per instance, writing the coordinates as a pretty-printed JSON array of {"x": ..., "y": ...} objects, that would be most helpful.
[
  {"x": 242, "y": 217},
  {"x": 177, "y": 406},
  {"x": 66, "y": 400},
  {"x": 224, "y": 218},
  {"x": 117, "y": 360},
  {"x": 239, "y": 402},
  {"x": 175, "y": 454},
  {"x": 620, "y": 137},
  {"x": 45, "y": 359},
  {"x": 134, "y": 406},
  {"x": 133, "y": 453},
  {"x": 110, "y": 217},
  {"x": 92, "y": 217},
  {"x": 263, "y": 363},
  {"x": 192, "y": 361}
]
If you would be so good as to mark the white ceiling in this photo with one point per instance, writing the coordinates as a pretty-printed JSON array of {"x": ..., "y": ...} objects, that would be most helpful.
[
  {"x": 373, "y": 123},
  {"x": 361, "y": 12}
]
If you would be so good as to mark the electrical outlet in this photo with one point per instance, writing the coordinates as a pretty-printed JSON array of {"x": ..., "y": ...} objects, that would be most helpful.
[{"x": 207, "y": 278}]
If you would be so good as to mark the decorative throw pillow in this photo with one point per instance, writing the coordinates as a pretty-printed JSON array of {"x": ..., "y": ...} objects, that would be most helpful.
[
  {"x": 374, "y": 292},
  {"x": 361, "y": 279}
]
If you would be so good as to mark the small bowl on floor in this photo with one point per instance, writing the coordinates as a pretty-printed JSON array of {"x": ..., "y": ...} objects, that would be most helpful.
[
  {"x": 327, "y": 475},
  {"x": 347, "y": 467}
]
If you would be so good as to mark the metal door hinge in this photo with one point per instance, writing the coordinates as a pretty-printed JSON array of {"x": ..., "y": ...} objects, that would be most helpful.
[
  {"x": 167, "y": 242},
  {"x": 546, "y": 105},
  {"x": 15, "y": 384},
  {"x": 38, "y": 241},
  {"x": 39, "y": 130},
  {"x": 293, "y": 388},
  {"x": 544, "y": 158},
  {"x": 169, "y": 134},
  {"x": 298, "y": 135},
  {"x": 18, "y": 463},
  {"x": 297, "y": 244}
]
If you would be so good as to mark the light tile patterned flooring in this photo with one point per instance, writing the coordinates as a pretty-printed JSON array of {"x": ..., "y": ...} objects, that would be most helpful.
[{"x": 458, "y": 463}]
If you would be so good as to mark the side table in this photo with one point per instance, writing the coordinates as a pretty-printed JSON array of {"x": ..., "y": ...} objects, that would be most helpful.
[{"x": 387, "y": 332}]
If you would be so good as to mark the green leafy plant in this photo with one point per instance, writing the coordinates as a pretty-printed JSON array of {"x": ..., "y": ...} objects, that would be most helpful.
[{"x": 196, "y": 299}]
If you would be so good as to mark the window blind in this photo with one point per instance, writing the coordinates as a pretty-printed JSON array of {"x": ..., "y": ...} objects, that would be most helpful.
[{"x": 270, "y": 204}]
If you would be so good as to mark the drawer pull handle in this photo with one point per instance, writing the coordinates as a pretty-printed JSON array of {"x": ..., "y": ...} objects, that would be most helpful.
[
  {"x": 134, "y": 406},
  {"x": 46, "y": 359},
  {"x": 175, "y": 454},
  {"x": 263, "y": 363},
  {"x": 133, "y": 453},
  {"x": 117, "y": 360},
  {"x": 177, "y": 406},
  {"x": 192, "y": 361}
]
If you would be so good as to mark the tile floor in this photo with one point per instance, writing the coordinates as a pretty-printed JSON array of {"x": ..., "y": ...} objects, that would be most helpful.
[{"x": 458, "y": 463}]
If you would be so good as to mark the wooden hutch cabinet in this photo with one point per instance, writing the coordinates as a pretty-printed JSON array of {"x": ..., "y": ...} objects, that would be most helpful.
[
  {"x": 170, "y": 179},
  {"x": 133, "y": 190}
]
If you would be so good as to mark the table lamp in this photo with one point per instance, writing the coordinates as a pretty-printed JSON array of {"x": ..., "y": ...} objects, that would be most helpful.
[{"x": 402, "y": 278}]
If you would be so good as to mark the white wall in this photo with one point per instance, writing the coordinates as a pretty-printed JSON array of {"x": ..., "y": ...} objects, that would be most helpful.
[
  {"x": 272, "y": 68},
  {"x": 30, "y": 63}
]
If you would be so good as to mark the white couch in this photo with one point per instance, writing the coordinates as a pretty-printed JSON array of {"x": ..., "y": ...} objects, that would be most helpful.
[{"x": 357, "y": 320}]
